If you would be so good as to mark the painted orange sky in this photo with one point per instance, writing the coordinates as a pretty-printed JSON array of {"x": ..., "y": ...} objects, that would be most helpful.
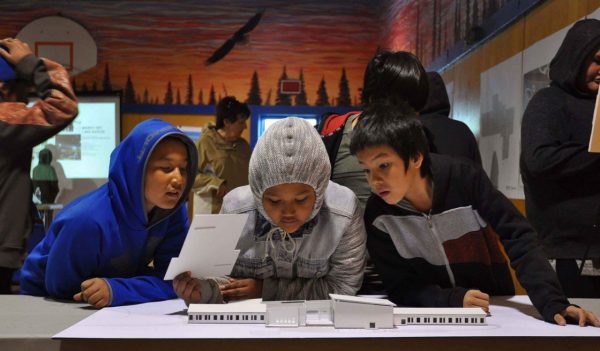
[{"x": 159, "y": 41}]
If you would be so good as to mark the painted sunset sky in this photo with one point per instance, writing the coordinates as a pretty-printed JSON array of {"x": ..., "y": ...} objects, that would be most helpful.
[{"x": 160, "y": 41}]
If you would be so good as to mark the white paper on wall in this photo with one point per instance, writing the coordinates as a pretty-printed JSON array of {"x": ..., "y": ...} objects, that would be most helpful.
[{"x": 500, "y": 138}]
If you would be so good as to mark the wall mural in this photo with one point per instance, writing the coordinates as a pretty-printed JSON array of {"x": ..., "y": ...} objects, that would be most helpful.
[
  {"x": 193, "y": 52},
  {"x": 430, "y": 27}
]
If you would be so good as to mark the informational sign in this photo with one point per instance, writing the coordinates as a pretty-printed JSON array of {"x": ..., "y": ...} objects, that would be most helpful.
[{"x": 290, "y": 86}]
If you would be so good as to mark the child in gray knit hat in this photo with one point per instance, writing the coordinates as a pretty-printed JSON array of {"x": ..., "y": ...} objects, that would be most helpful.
[{"x": 305, "y": 236}]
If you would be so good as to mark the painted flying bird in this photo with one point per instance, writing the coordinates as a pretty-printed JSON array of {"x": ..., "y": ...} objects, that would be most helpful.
[{"x": 241, "y": 36}]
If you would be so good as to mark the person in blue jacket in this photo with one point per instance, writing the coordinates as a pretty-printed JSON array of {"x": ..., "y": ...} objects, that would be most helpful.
[{"x": 112, "y": 246}]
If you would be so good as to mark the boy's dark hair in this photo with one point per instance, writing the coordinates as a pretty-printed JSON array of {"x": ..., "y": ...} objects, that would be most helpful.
[
  {"x": 229, "y": 108},
  {"x": 395, "y": 76},
  {"x": 396, "y": 125}
]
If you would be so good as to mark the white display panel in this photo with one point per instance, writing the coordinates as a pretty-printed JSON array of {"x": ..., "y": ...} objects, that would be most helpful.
[{"x": 81, "y": 152}]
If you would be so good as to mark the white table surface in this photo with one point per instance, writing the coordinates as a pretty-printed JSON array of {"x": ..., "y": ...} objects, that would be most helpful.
[{"x": 510, "y": 317}]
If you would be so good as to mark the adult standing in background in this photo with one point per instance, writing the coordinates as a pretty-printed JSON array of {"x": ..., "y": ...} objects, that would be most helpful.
[
  {"x": 21, "y": 128},
  {"x": 449, "y": 136},
  {"x": 223, "y": 156},
  {"x": 561, "y": 178}
]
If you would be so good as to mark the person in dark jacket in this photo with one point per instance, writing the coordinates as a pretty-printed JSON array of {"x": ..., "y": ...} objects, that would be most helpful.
[
  {"x": 22, "y": 128},
  {"x": 449, "y": 136},
  {"x": 398, "y": 76},
  {"x": 100, "y": 246},
  {"x": 44, "y": 177},
  {"x": 432, "y": 220},
  {"x": 561, "y": 178}
]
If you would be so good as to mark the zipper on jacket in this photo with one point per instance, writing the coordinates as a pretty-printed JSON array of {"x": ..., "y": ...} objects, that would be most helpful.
[{"x": 440, "y": 247}]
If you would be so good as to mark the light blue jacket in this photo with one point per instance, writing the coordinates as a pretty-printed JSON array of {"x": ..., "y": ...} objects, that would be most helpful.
[{"x": 328, "y": 255}]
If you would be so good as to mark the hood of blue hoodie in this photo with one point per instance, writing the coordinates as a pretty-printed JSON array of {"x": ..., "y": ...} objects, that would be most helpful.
[
  {"x": 581, "y": 41},
  {"x": 128, "y": 166}
]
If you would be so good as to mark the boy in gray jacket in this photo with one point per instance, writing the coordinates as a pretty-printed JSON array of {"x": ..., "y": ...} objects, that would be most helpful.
[{"x": 305, "y": 236}]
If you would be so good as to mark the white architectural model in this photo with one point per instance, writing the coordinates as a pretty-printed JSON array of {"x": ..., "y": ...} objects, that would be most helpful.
[
  {"x": 298, "y": 313},
  {"x": 450, "y": 316},
  {"x": 362, "y": 312},
  {"x": 341, "y": 312},
  {"x": 243, "y": 312}
]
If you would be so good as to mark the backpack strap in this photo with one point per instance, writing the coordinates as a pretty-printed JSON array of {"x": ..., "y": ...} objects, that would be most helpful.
[{"x": 334, "y": 121}]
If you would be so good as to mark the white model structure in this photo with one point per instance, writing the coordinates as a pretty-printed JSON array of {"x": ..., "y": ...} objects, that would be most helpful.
[
  {"x": 439, "y": 316},
  {"x": 298, "y": 313},
  {"x": 341, "y": 312},
  {"x": 362, "y": 312},
  {"x": 244, "y": 312}
]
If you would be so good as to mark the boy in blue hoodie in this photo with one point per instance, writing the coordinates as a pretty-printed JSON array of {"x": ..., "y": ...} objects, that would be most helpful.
[{"x": 100, "y": 246}]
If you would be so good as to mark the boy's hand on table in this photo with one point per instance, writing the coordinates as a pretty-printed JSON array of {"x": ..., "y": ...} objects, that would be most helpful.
[
  {"x": 476, "y": 298},
  {"x": 187, "y": 288},
  {"x": 241, "y": 289},
  {"x": 577, "y": 314},
  {"x": 94, "y": 291}
]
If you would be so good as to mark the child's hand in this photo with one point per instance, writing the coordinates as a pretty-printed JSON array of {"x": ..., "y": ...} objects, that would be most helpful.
[
  {"x": 577, "y": 314},
  {"x": 16, "y": 50},
  {"x": 94, "y": 291},
  {"x": 475, "y": 298},
  {"x": 187, "y": 288},
  {"x": 240, "y": 289}
]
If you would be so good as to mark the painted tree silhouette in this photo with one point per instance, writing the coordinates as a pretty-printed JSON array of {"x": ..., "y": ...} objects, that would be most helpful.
[
  {"x": 169, "y": 95},
  {"x": 322, "y": 97},
  {"x": 189, "y": 96},
  {"x": 200, "y": 98},
  {"x": 268, "y": 99},
  {"x": 211, "y": 96},
  {"x": 129, "y": 95},
  {"x": 254, "y": 93},
  {"x": 344, "y": 94},
  {"x": 106, "y": 85},
  {"x": 178, "y": 101},
  {"x": 301, "y": 97},
  {"x": 146, "y": 97}
]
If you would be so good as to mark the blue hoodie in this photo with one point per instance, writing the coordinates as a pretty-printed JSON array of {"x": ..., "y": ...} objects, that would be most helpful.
[{"x": 107, "y": 234}]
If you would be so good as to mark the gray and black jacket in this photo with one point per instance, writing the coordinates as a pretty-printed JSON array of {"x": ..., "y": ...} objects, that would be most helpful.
[{"x": 432, "y": 259}]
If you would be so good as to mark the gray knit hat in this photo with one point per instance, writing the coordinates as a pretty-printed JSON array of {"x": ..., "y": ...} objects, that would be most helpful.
[{"x": 290, "y": 151}]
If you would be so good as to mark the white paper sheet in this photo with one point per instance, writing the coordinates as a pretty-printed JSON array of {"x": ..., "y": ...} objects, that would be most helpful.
[
  {"x": 512, "y": 316},
  {"x": 209, "y": 248},
  {"x": 595, "y": 137}
]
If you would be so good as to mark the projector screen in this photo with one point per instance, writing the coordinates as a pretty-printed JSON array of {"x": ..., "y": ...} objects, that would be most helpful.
[{"x": 81, "y": 151}]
